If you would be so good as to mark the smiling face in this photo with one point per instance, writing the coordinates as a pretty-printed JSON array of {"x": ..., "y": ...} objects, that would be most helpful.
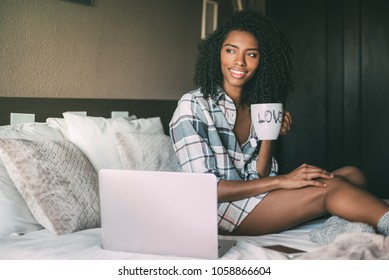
[{"x": 239, "y": 57}]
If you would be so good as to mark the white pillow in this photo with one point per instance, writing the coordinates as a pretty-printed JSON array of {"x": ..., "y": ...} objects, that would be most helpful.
[
  {"x": 139, "y": 151},
  {"x": 15, "y": 217},
  {"x": 60, "y": 123},
  {"x": 95, "y": 136},
  {"x": 56, "y": 180}
]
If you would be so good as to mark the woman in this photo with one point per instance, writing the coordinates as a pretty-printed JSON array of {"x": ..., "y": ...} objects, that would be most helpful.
[{"x": 248, "y": 61}]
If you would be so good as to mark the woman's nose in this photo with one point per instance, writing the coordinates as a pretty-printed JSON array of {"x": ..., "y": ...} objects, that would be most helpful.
[{"x": 240, "y": 60}]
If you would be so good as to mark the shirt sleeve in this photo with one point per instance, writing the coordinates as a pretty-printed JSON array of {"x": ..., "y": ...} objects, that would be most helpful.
[
  {"x": 249, "y": 172},
  {"x": 188, "y": 132}
]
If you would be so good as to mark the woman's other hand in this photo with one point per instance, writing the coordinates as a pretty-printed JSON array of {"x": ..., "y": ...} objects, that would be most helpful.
[
  {"x": 304, "y": 176},
  {"x": 286, "y": 123}
]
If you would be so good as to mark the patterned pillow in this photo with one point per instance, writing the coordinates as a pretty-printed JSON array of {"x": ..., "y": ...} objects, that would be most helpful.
[
  {"x": 141, "y": 151},
  {"x": 56, "y": 180},
  {"x": 15, "y": 217}
]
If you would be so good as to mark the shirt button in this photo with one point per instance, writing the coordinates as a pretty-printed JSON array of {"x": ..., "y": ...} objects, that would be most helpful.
[{"x": 253, "y": 142}]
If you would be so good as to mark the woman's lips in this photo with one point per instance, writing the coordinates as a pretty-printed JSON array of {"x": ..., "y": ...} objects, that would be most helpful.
[{"x": 237, "y": 74}]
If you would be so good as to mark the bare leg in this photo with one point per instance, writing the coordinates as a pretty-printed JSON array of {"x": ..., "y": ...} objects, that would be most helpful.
[
  {"x": 282, "y": 209},
  {"x": 353, "y": 204}
]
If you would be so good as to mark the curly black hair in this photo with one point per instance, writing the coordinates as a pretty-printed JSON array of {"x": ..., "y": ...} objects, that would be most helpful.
[{"x": 272, "y": 81}]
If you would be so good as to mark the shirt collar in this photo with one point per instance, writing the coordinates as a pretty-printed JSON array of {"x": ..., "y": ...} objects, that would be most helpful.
[
  {"x": 221, "y": 96},
  {"x": 220, "y": 93}
]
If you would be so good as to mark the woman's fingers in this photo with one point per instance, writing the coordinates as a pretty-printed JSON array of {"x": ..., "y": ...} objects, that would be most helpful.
[
  {"x": 306, "y": 168},
  {"x": 286, "y": 123},
  {"x": 314, "y": 183},
  {"x": 318, "y": 174},
  {"x": 288, "y": 118},
  {"x": 311, "y": 172},
  {"x": 306, "y": 175}
]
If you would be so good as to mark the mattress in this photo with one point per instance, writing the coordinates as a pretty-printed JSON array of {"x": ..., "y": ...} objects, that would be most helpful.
[{"x": 87, "y": 245}]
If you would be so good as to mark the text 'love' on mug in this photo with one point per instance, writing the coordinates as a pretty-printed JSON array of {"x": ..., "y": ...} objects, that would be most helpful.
[{"x": 267, "y": 120}]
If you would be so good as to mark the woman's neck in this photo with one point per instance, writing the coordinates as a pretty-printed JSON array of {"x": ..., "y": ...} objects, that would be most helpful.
[{"x": 236, "y": 95}]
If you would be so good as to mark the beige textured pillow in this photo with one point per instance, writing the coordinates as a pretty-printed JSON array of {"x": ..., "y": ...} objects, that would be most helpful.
[
  {"x": 56, "y": 180},
  {"x": 141, "y": 151},
  {"x": 15, "y": 217}
]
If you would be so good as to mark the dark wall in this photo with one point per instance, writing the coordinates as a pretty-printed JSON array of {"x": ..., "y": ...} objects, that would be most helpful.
[{"x": 340, "y": 107}]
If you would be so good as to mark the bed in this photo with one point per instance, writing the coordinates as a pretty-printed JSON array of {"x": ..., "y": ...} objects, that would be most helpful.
[{"x": 43, "y": 220}]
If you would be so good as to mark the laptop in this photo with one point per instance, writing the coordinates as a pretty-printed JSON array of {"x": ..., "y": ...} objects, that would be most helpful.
[{"x": 163, "y": 213}]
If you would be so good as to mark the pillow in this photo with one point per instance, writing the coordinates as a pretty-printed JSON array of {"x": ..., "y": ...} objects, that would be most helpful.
[
  {"x": 56, "y": 180},
  {"x": 15, "y": 217},
  {"x": 30, "y": 130},
  {"x": 95, "y": 136},
  {"x": 60, "y": 123},
  {"x": 139, "y": 151}
]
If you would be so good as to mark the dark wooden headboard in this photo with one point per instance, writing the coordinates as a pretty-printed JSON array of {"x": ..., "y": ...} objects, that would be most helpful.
[{"x": 54, "y": 107}]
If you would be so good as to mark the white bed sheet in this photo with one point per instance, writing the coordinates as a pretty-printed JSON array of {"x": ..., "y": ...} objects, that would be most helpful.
[{"x": 86, "y": 245}]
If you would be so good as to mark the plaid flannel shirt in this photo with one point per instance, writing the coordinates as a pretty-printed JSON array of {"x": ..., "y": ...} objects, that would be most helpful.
[{"x": 202, "y": 134}]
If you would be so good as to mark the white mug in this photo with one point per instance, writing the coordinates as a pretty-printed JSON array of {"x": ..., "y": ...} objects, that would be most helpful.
[{"x": 267, "y": 120}]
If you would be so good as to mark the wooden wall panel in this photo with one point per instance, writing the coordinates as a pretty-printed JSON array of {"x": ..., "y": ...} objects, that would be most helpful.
[
  {"x": 335, "y": 108},
  {"x": 375, "y": 93},
  {"x": 352, "y": 79},
  {"x": 304, "y": 23},
  {"x": 340, "y": 107}
]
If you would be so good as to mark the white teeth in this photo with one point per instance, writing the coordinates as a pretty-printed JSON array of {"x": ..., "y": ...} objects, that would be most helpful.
[{"x": 237, "y": 72}]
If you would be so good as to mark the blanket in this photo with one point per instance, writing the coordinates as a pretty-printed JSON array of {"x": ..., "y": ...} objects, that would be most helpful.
[{"x": 353, "y": 246}]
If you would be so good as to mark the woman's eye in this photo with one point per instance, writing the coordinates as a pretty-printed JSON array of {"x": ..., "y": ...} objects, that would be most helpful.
[
  {"x": 254, "y": 55},
  {"x": 230, "y": 51}
]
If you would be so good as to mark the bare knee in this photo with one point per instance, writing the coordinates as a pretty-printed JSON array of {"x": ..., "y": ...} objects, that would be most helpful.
[
  {"x": 337, "y": 186},
  {"x": 353, "y": 175},
  {"x": 347, "y": 171}
]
